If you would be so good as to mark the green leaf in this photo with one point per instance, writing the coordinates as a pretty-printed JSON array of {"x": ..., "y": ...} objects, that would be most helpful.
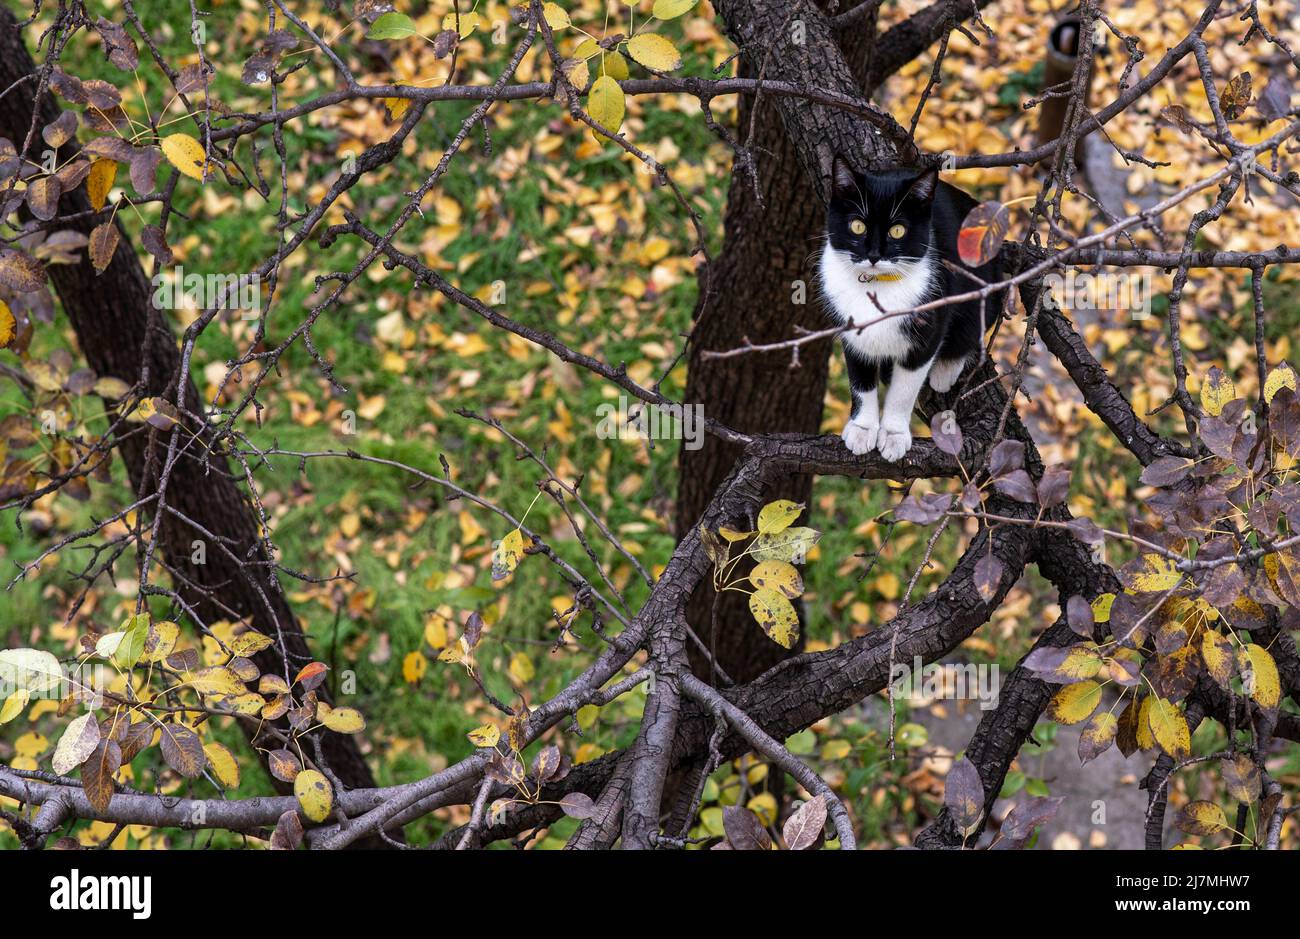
[
  {"x": 392, "y": 26},
  {"x": 134, "y": 633}
]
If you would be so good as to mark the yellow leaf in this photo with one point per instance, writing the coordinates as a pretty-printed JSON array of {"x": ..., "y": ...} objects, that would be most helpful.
[
  {"x": 1080, "y": 662},
  {"x": 340, "y": 720},
  {"x": 100, "y": 180},
  {"x": 397, "y": 107},
  {"x": 778, "y": 516},
  {"x": 31, "y": 745},
  {"x": 1259, "y": 676},
  {"x": 1075, "y": 702},
  {"x": 185, "y": 153},
  {"x": 1101, "y": 607},
  {"x": 470, "y": 530},
  {"x": 836, "y": 750},
  {"x": 1145, "y": 739},
  {"x": 1216, "y": 391},
  {"x": 250, "y": 643},
  {"x": 223, "y": 764},
  {"x": 315, "y": 795},
  {"x": 776, "y": 615},
  {"x": 613, "y": 65},
  {"x": 14, "y": 705},
  {"x": 732, "y": 535},
  {"x": 468, "y": 22},
  {"x": 509, "y": 551},
  {"x": 555, "y": 16},
  {"x": 1169, "y": 728},
  {"x": 577, "y": 72},
  {"x": 671, "y": 9},
  {"x": 521, "y": 668},
  {"x": 217, "y": 680},
  {"x": 606, "y": 103},
  {"x": 777, "y": 575},
  {"x": 1158, "y": 573},
  {"x": 248, "y": 703},
  {"x": 1216, "y": 652},
  {"x": 1202, "y": 818},
  {"x": 1281, "y": 377},
  {"x": 485, "y": 736},
  {"x": 764, "y": 806},
  {"x": 160, "y": 641},
  {"x": 587, "y": 716},
  {"x": 435, "y": 632},
  {"x": 8, "y": 325},
  {"x": 1097, "y": 735},
  {"x": 413, "y": 667},
  {"x": 654, "y": 52}
]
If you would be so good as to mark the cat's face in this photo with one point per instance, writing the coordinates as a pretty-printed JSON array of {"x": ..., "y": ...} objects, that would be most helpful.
[{"x": 881, "y": 222}]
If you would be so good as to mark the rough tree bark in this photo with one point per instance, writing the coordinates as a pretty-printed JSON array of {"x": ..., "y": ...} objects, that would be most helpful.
[
  {"x": 759, "y": 288},
  {"x": 123, "y": 336}
]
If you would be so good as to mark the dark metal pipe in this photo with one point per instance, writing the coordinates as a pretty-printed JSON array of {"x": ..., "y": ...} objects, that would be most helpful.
[{"x": 1062, "y": 57}]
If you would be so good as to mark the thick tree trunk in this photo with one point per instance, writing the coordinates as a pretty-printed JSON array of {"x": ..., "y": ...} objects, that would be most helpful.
[
  {"x": 761, "y": 287},
  {"x": 123, "y": 336}
]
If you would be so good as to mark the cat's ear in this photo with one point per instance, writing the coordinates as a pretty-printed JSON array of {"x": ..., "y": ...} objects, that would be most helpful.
[
  {"x": 924, "y": 186},
  {"x": 843, "y": 180}
]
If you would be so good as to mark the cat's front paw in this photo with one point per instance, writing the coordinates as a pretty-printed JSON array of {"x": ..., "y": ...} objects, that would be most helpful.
[
  {"x": 859, "y": 438},
  {"x": 893, "y": 444}
]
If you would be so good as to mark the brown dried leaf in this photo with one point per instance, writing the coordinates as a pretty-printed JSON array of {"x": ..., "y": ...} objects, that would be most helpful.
[
  {"x": 119, "y": 48},
  {"x": 20, "y": 271},
  {"x": 103, "y": 242},
  {"x": 183, "y": 750},
  {"x": 97, "y": 774},
  {"x": 803, "y": 829},
  {"x": 288, "y": 832},
  {"x": 43, "y": 197}
]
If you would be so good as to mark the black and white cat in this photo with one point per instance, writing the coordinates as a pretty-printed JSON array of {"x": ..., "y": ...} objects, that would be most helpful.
[{"x": 886, "y": 237}]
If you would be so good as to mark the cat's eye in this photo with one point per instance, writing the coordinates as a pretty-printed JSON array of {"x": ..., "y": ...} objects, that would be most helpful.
[
  {"x": 897, "y": 231},
  {"x": 858, "y": 227}
]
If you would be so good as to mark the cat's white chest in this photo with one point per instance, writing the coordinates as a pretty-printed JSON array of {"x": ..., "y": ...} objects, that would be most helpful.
[{"x": 848, "y": 300}]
